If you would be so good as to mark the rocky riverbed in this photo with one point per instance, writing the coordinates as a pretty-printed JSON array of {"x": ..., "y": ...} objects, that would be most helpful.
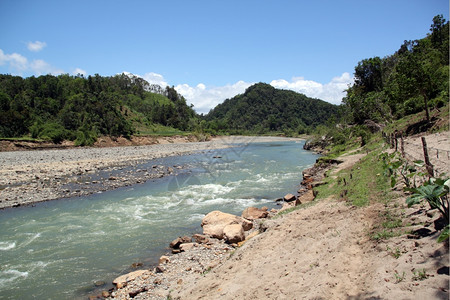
[{"x": 27, "y": 177}]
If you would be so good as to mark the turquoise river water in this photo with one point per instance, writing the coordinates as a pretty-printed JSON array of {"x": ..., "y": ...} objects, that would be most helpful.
[{"x": 61, "y": 249}]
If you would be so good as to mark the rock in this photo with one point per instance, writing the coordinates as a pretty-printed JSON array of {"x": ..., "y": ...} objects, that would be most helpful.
[
  {"x": 121, "y": 285},
  {"x": 176, "y": 251},
  {"x": 160, "y": 269},
  {"x": 214, "y": 223},
  {"x": 175, "y": 244},
  {"x": 307, "y": 197},
  {"x": 99, "y": 283},
  {"x": 287, "y": 205},
  {"x": 105, "y": 294},
  {"x": 135, "y": 292},
  {"x": 200, "y": 238},
  {"x": 289, "y": 198},
  {"x": 164, "y": 259},
  {"x": 128, "y": 277},
  {"x": 234, "y": 233},
  {"x": 253, "y": 213},
  {"x": 187, "y": 246}
]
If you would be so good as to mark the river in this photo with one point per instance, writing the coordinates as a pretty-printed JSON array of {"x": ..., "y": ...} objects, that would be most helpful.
[{"x": 62, "y": 249}]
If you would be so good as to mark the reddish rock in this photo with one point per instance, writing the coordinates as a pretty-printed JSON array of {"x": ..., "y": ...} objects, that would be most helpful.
[
  {"x": 253, "y": 213},
  {"x": 122, "y": 280},
  {"x": 289, "y": 198},
  {"x": 175, "y": 244},
  {"x": 234, "y": 233},
  {"x": 186, "y": 246},
  {"x": 214, "y": 223},
  {"x": 200, "y": 238}
]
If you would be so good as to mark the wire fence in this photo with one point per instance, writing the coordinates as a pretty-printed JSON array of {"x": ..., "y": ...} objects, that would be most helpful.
[{"x": 440, "y": 156}]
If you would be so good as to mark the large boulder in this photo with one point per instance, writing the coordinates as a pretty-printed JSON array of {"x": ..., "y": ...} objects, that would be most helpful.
[
  {"x": 122, "y": 280},
  {"x": 214, "y": 223},
  {"x": 307, "y": 197},
  {"x": 253, "y": 213},
  {"x": 234, "y": 233}
]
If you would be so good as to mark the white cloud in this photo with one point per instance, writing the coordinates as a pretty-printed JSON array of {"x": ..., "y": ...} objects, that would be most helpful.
[
  {"x": 36, "y": 46},
  {"x": 15, "y": 61},
  {"x": 154, "y": 78},
  {"x": 332, "y": 92},
  {"x": 41, "y": 67},
  {"x": 205, "y": 98},
  {"x": 18, "y": 64},
  {"x": 79, "y": 71}
]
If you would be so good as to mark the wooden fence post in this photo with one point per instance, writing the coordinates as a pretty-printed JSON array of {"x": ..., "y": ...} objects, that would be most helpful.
[
  {"x": 428, "y": 164},
  {"x": 402, "y": 145}
]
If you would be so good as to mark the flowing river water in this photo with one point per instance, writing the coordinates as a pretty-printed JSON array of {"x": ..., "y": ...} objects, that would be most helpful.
[{"x": 63, "y": 249}]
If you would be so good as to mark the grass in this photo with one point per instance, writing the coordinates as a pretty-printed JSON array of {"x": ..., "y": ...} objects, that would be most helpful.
[
  {"x": 399, "y": 278},
  {"x": 359, "y": 185},
  {"x": 21, "y": 139},
  {"x": 420, "y": 275},
  {"x": 158, "y": 130}
]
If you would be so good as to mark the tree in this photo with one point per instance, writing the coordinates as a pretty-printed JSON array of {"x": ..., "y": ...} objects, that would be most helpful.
[{"x": 368, "y": 75}]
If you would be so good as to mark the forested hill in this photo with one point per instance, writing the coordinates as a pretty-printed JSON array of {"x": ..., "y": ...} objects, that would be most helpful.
[
  {"x": 263, "y": 108},
  {"x": 413, "y": 79},
  {"x": 81, "y": 109}
]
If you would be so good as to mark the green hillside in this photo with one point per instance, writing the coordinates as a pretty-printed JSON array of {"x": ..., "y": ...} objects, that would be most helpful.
[
  {"x": 81, "y": 109},
  {"x": 263, "y": 108}
]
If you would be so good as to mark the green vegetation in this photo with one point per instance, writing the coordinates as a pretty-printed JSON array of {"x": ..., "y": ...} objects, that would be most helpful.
[
  {"x": 81, "y": 109},
  {"x": 406, "y": 92},
  {"x": 358, "y": 186},
  {"x": 414, "y": 79},
  {"x": 399, "y": 278},
  {"x": 264, "y": 109},
  {"x": 419, "y": 275}
]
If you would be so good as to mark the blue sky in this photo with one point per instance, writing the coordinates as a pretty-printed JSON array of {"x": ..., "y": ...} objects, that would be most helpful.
[{"x": 210, "y": 50}]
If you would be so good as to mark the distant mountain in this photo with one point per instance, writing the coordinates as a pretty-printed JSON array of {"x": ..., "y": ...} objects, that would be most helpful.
[{"x": 263, "y": 108}]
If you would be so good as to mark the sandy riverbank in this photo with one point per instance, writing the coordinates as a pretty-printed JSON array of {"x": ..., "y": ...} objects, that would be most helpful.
[
  {"x": 28, "y": 177},
  {"x": 323, "y": 251}
]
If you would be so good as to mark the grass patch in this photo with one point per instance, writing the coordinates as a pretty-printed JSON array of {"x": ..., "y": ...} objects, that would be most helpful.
[
  {"x": 158, "y": 130},
  {"x": 384, "y": 234},
  {"x": 359, "y": 185}
]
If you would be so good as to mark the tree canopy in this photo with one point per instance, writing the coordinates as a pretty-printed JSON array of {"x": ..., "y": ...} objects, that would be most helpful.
[
  {"x": 263, "y": 108},
  {"x": 414, "y": 78},
  {"x": 80, "y": 109}
]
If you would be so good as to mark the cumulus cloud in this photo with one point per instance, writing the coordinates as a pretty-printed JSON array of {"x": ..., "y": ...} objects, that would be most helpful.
[
  {"x": 79, "y": 71},
  {"x": 15, "y": 61},
  {"x": 36, "y": 46},
  {"x": 154, "y": 78},
  {"x": 332, "y": 91},
  {"x": 40, "y": 67},
  {"x": 18, "y": 64},
  {"x": 205, "y": 98}
]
